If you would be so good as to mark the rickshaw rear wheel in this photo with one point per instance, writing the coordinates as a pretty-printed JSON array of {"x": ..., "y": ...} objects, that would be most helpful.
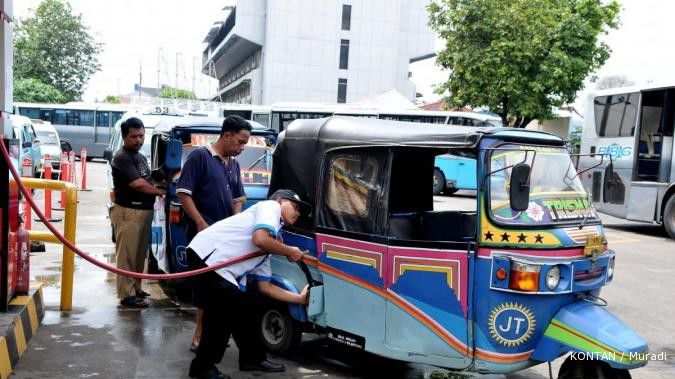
[
  {"x": 280, "y": 333},
  {"x": 669, "y": 217},
  {"x": 590, "y": 369}
]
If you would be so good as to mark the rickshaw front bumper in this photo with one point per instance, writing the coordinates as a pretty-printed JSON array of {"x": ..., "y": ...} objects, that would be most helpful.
[{"x": 591, "y": 332}]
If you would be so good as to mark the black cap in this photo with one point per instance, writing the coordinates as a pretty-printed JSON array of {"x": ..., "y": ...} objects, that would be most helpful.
[{"x": 287, "y": 194}]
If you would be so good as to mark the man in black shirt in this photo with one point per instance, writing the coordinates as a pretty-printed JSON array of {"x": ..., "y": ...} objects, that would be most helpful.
[{"x": 131, "y": 215}]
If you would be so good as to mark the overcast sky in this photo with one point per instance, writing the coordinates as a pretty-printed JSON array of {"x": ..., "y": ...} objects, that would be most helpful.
[{"x": 133, "y": 32}]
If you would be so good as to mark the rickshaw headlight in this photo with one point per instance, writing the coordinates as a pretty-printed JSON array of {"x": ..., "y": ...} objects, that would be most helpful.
[
  {"x": 553, "y": 278},
  {"x": 610, "y": 268}
]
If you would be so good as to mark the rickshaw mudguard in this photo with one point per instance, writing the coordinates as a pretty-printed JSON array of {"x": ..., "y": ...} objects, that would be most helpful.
[
  {"x": 296, "y": 311},
  {"x": 591, "y": 332}
]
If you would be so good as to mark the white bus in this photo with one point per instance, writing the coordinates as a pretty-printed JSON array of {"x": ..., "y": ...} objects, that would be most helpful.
[
  {"x": 633, "y": 126},
  {"x": 279, "y": 115},
  {"x": 78, "y": 124}
]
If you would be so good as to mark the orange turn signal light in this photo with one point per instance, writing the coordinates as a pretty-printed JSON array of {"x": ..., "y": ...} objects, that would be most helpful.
[
  {"x": 524, "y": 277},
  {"x": 501, "y": 274}
]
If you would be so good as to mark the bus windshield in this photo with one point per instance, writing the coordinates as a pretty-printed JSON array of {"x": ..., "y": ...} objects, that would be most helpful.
[{"x": 556, "y": 193}]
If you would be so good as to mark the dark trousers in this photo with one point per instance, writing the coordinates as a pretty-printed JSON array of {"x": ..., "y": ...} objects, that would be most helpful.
[{"x": 227, "y": 311}]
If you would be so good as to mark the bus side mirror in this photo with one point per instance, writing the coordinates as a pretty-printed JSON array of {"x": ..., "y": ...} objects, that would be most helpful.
[
  {"x": 108, "y": 155},
  {"x": 609, "y": 174},
  {"x": 519, "y": 189},
  {"x": 174, "y": 155}
]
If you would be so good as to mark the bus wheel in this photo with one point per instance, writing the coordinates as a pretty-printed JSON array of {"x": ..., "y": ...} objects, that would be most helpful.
[
  {"x": 280, "y": 333},
  {"x": 669, "y": 217},
  {"x": 439, "y": 181},
  {"x": 65, "y": 147},
  {"x": 589, "y": 369}
]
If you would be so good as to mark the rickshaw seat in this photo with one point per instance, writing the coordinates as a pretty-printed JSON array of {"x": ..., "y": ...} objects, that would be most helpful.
[
  {"x": 404, "y": 226},
  {"x": 448, "y": 225}
]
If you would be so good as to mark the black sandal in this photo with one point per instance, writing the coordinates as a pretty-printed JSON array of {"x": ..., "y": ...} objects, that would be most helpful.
[
  {"x": 142, "y": 293},
  {"x": 134, "y": 302}
]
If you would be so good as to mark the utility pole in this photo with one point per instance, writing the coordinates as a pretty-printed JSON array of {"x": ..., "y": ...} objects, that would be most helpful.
[
  {"x": 159, "y": 53},
  {"x": 140, "y": 79}
]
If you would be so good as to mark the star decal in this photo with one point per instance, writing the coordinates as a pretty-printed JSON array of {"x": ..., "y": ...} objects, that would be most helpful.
[
  {"x": 522, "y": 238},
  {"x": 505, "y": 237},
  {"x": 539, "y": 238},
  {"x": 488, "y": 236}
]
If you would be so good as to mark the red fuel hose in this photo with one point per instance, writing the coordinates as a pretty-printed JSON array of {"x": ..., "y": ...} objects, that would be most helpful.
[{"x": 106, "y": 266}]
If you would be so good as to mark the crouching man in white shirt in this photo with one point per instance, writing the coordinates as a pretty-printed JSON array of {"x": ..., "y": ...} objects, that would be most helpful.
[{"x": 229, "y": 308}]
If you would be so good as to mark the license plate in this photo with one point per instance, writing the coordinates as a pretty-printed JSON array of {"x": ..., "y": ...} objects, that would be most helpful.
[{"x": 594, "y": 244}]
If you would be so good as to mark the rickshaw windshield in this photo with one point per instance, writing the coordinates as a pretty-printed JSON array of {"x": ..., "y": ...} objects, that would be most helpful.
[
  {"x": 255, "y": 161},
  {"x": 556, "y": 193}
]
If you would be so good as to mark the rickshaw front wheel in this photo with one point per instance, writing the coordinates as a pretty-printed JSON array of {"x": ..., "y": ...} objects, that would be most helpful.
[
  {"x": 279, "y": 331},
  {"x": 590, "y": 369}
]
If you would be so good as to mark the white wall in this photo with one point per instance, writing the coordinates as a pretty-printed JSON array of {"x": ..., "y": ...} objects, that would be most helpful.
[{"x": 302, "y": 48}]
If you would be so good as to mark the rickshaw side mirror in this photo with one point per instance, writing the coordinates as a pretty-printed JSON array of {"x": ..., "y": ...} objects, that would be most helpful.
[
  {"x": 174, "y": 155},
  {"x": 519, "y": 188}
]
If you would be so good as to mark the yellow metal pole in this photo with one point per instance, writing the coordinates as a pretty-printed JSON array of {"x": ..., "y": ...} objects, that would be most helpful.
[
  {"x": 68, "y": 259},
  {"x": 68, "y": 255}
]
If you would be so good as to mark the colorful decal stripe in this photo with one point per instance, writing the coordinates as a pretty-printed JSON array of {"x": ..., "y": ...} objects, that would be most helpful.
[
  {"x": 580, "y": 236},
  {"x": 346, "y": 254},
  {"x": 449, "y": 267},
  {"x": 548, "y": 253},
  {"x": 502, "y": 358},
  {"x": 564, "y": 333},
  {"x": 492, "y": 235},
  {"x": 420, "y": 316}
]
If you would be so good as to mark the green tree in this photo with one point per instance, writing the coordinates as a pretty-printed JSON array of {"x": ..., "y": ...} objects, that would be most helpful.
[
  {"x": 112, "y": 99},
  {"x": 34, "y": 91},
  {"x": 176, "y": 93},
  {"x": 55, "y": 47},
  {"x": 520, "y": 58}
]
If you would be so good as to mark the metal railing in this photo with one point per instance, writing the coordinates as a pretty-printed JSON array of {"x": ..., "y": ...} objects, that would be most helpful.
[{"x": 70, "y": 220}]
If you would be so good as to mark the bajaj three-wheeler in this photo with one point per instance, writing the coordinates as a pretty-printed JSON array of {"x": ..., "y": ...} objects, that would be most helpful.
[{"x": 510, "y": 281}]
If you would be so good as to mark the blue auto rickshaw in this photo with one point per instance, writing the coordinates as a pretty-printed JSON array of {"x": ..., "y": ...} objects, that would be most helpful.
[
  {"x": 511, "y": 282},
  {"x": 173, "y": 138}
]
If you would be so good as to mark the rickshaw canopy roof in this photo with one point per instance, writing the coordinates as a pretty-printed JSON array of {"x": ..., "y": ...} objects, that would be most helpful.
[{"x": 301, "y": 147}]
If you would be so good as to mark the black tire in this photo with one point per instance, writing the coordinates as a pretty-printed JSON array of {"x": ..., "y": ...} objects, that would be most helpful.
[
  {"x": 65, "y": 147},
  {"x": 450, "y": 190},
  {"x": 589, "y": 369},
  {"x": 669, "y": 217},
  {"x": 439, "y": 181},
  {"x": 280, "y": 333}
]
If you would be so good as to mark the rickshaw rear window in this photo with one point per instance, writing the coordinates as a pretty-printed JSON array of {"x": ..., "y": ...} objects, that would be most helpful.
[{"x": 351, "y": 180}]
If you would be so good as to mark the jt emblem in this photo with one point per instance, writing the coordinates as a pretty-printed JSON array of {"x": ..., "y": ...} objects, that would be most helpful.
[{"x": 511, "y": 324}]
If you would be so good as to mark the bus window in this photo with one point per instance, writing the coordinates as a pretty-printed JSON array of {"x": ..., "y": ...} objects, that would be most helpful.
[
  {"x": 115, "y": 116},
  {"x": 246, "y": 115},
  {"x": 102, "y": 119},
  {"x": 615, "y": 115},
  {"x": 262, "y": 118},
  {"x": 30, "y": 112}
]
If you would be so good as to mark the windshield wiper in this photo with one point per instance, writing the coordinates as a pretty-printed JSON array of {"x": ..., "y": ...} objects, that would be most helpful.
[{"x": 590, "y": 207}]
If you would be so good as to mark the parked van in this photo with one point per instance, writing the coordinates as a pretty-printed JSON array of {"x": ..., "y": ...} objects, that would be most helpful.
[
  {"x": 50, "y": 145},
  {"x": 30, "y": 145}
]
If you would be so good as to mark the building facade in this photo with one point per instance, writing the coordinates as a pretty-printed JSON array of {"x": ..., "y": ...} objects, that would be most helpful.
[{"x": 268, "y": 51}]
